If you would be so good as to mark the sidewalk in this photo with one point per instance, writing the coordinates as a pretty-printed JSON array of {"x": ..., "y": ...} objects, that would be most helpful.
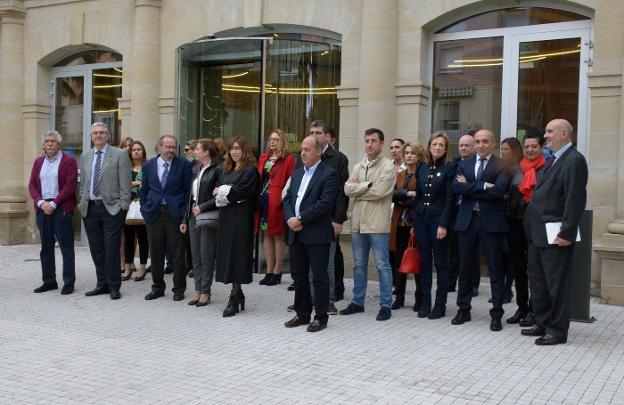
[{"x": 80, "y": 350}]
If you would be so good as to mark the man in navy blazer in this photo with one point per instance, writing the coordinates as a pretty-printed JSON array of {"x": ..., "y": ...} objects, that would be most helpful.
[
  {"x": 308, "y": 205},
  {"x": 482, "y": 182},
  {"x": 560, "y": 195},
  {"x": 164, "y": 192}
]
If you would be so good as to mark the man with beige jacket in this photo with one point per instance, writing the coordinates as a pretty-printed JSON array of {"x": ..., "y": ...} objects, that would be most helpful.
[{"x": 369, "y": 189}]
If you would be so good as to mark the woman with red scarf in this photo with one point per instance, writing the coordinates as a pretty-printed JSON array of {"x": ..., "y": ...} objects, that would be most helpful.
[{"x": 524, "y": 178}]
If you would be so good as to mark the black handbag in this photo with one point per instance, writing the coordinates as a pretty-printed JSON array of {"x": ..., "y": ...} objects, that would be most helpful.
[{"x": 207, "y": 219}]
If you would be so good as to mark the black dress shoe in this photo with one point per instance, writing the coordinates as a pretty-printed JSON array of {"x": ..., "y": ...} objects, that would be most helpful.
[
  {"x": 115, "y": 295},
  {"x": 46, "y": 287},
  {"x": 550, "y": 340},
  {"x": 398, "y": 303},
  {"x": 316, "y": 326},
  {"x": 461, "y": 317},
  {"x": 496, "y": 325},
  {"x": 178, "y": 296},
  {"x": 517, "y": 317},
  {"x": 67, "y": 289},
  {"x": 152, "y": 295},
  {"x": 296, "y": 321},
  {"x": 534, "y": 331},
  {"x": 168, "y": 269},
  {"x": 291, "y": 287},
  {"x": 351, "y": 309},
  {"x": 437, "y": 312},
  {"x": 424, "y": 311},
  {"x": 528, "y": 321},
  {"x": 97, "y": 291}
]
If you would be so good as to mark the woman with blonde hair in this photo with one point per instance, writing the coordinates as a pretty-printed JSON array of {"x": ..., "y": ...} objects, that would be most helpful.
[
  {"x": 404, "y": 198},
  {"x": 434, "y": 204},
  {"x": 236, "y": 197},
  {"x": 274, "y": 167}
]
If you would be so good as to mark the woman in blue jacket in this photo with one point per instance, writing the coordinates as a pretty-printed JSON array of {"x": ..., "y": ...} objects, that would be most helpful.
[{"x": 434, "y": 202}]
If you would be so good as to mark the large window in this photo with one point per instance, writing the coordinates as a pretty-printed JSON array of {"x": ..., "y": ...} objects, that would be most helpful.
[
  {"x": 510, "y": 71},
  {"x": 250, "y": 86}
]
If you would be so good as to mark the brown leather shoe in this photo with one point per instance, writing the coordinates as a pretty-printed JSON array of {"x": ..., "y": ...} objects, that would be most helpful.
[
  {"x": 316, "y": 326},
  {"x": 295, "y": 321},
  {"x": 534, "y": 331}
]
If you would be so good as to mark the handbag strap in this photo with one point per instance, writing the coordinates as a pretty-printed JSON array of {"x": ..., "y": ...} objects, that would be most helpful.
[{"x": 410, "y": 244}]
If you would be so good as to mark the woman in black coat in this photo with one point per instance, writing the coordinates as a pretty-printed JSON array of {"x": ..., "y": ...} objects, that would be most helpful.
[
  {"x": 434, "y": 202},
  {"x": 237, "y": 198},
  {"x": 203, "y": 234}
]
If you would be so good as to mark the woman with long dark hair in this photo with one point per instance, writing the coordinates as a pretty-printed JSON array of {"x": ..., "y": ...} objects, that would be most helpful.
[
  {"x": 133, "y": 233},
  {"x": 236, "y": 197}
]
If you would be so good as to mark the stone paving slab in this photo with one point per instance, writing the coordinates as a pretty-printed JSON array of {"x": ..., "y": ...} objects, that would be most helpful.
[{"x": 91, "y": 350}]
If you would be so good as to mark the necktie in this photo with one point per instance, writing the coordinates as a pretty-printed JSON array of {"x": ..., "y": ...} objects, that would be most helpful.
[
  {"x": 480, "y": 169},
  {"x": 479, "y": 177},
  {"x": 163, "y": 179},
  {"x": 97, "y": 174}
]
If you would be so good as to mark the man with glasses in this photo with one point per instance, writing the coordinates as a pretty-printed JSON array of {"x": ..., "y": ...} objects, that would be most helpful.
[
  {"x": 106, "y": 180},
  {"x": 164, "y": 192}
]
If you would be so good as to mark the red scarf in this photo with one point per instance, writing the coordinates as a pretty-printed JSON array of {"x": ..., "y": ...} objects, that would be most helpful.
[{"x": 529, "y": 167}]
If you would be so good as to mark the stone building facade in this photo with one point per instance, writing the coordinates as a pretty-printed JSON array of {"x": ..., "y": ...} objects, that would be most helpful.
[{"x": 406, "y": 66}]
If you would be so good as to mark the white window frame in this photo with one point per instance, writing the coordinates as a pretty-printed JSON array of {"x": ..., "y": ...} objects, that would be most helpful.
[{"x": 512, "y": 37}]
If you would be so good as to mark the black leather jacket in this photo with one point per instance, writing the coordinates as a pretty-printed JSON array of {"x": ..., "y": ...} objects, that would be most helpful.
[{"x": 206, "y": 201}]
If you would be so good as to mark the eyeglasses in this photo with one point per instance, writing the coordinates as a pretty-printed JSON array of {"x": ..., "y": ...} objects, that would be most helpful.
[
  {"x": 187, "y": 149},
  {"x": 168, "y": 146}
]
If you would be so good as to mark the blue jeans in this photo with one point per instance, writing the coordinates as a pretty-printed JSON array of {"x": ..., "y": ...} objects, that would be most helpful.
[{"x": 361, "y": 244}]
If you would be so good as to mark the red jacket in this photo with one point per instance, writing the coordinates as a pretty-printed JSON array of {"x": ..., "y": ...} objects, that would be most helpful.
[
  {"x": 67, "y": 182},
  {"x": 279, "y": 174}
]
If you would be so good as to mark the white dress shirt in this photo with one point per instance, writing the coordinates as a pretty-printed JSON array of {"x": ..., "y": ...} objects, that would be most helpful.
[{"x": 305, "y": 180}]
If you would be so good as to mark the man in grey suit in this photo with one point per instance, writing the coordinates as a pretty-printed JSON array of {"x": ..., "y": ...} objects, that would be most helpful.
[
  {"x": 559, "y": 198},
  {"x": 106, "y": 178}
]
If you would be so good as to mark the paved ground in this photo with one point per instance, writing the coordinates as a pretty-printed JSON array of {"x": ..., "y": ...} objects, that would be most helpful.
[{"x": 78, "y": 350}]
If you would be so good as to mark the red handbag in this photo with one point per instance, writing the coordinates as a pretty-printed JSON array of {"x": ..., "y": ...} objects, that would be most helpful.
[{"x": 411, "y": 259}]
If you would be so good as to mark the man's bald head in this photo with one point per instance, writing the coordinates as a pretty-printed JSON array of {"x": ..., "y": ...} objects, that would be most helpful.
[
  {"x": 558, "y": 134},
  {"x": 484, "y": 142}
]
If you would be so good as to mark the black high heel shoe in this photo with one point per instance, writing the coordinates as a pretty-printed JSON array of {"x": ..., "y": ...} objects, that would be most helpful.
[
  {"x": 266, "y": 279},
  {"x": 241, "y": 299},
  {"x": 232, "y": 306},
  {"x": 275, "y": 279},
  {"x": 128, "y": 277}
]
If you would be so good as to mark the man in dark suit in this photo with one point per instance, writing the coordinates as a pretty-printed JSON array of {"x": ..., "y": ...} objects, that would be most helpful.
[
  {"x": 106, "y": 177},
  {"x": 560, "y": 196},
  {"x": 164, "y": 192},
  {"x": 52, "y": 187},
  {"x": 307, "y": 205},
  {"x": 482, "y": 182}
]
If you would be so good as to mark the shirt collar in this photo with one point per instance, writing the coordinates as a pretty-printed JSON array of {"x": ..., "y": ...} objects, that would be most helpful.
[
  {"x": 311, "y": 170},
  {"x": 561, "y": 151},
  {"x": 55, "y": 158},
  {"x": 162, "y": 161},
  {"x": 103, "y": 149},
  {"x": 487, "y": 158}
]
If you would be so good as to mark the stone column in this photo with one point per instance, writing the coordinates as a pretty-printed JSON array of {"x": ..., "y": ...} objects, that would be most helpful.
[
  {"x": 378, "y": 59},
  {"x": 145, "y": 73},
  {"x": 13, "y": 210}
]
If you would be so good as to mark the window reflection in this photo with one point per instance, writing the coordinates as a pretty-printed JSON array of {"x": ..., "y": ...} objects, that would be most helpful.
[{"x": 467, "y": 86}]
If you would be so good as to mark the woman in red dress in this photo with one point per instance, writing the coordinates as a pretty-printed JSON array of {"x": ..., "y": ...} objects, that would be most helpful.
[{"x": 275, "y": 167}]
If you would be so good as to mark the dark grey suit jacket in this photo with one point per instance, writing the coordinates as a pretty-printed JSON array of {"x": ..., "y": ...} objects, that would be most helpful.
[{"x": 560, "y": 195}]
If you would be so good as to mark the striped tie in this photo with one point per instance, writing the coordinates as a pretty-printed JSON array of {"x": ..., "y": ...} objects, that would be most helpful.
[
  {"x": 163, "y": 179},
  {"x": 97, "y": 174}
]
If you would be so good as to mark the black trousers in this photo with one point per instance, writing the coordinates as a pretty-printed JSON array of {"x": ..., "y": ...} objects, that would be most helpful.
[
  {"x": 164, "y": 235},
  {"x": 305, "y": 258},
  {"x": 493, "y": 248},
  {"x": 550, "y": 280},
  {"x": 400, "y": 279},
  {"x": 104, "y": 235},
  {"x": 140, "y": 232},
  {"x": 518, "y": 252},
  {"x": 339, "y": 287},
  {"x": 453, "y": 261}
]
